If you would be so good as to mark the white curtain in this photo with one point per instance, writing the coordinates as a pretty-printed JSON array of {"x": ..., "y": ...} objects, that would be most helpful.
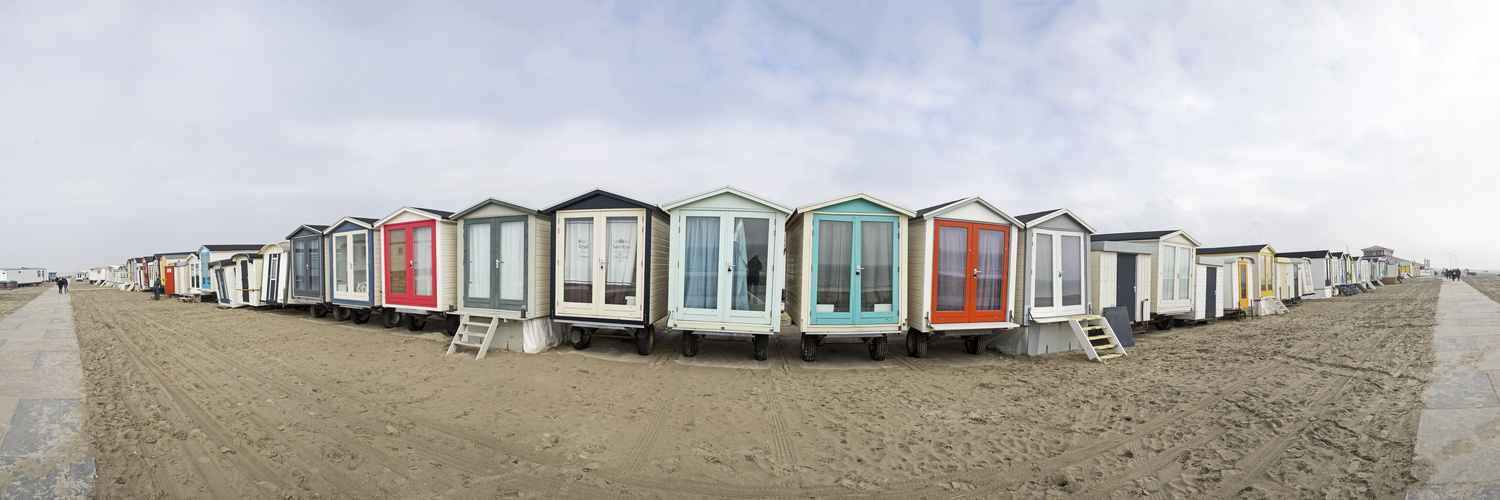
[
  {"x": 835, "y": 249},
  {"x": 875, "y": 256},
  {"x": 740, "y": 289},
  {"x": 1168, "y": 265},
  {"x": 701, "y": 279},
  {"x": 479, "y": 259},
  {"x": 991, "y": 287},
  {"x": 952, "y": 255},
  {"x": 619, "y": 269},
  {"x": 341, "y": 263},
  {"x": 1072, "y": 267},
  {"x": 578, "y": 269},
  {"x": 360, "y": 250},
  {"x": 1184, "y": 272},
  {"x": 1046, "y": 273},
  {"x": 421, "y": 241},
  {"x": 512, "y": 260}
]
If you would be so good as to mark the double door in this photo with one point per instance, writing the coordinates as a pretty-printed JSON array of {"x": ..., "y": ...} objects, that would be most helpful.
[
  {"x": 602, "y": 263},
  {"x": 495, "y": 263},
  {"x": 411, "y": 264},
  {"x": 351, "y": 265},
  {"x": 1057, "y": 273},
  {"x": 969, "y": 272},
  {"x": 307, "y": 267},
  {"x": 727, "y": 263},
  {"x": 854, "y": 269}
]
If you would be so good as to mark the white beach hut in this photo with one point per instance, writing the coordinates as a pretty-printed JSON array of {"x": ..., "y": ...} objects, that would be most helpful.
[{"x": 420, "y": 249}]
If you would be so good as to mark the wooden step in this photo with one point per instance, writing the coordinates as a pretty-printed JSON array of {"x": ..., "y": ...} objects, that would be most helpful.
[
  {"x": 1103, "y": 347},
  {"x": 1109, "y": 356},
  {"x": 1099, "y": 337},
  {"x": 1092, "y": 327},
  {"x": 468, "y": 344}
]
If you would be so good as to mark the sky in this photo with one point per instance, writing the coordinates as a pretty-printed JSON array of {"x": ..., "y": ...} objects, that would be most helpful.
[{"x": 129, "y": 129}]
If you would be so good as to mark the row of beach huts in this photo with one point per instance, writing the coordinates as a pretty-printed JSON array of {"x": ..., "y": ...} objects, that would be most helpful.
[{"x": 728, "y": 265}]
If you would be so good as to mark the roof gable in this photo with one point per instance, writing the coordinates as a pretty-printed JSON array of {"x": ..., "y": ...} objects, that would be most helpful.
[
  {"x": 351, "y": 224},
  {"x": 423, "y": 212},
  {"x": 305, "y": 230},
  {"x": 862, "y": 203},
  {"x": 492, "y": 201},
  {"x": 727, "y": 190},
  {"x": 938, "y": 210},
  {"x": 600, "y": 199},
  {"x": 1237, "y": 249},
  {"x": 1036, "y": 218}
]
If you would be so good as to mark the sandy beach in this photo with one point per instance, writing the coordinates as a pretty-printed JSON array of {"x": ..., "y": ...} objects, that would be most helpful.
[
  {"x": 10, "y": 300},
  {"x": 186, "y": 400}
]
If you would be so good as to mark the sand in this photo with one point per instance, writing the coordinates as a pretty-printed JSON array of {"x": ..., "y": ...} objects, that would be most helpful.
[
  {"x": 187, "y": 400},
  {"x": 10, "y": 300},
  {"x": 1487, "y": 284}
]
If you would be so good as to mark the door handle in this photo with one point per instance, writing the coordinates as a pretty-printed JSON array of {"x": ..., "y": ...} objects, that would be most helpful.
[
  {"x": 858, "y": 269},
  {"x": 976, "y": 272},
  {"x": 497, "y": 263}
]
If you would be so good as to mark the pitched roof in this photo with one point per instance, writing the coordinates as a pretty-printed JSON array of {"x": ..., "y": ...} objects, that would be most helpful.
[
  {"x": 234, "y": 248},
  {"x": 600, "y": 192},
  {"x": 493, "y": 201},
  {"x": 930, "y": 209},
  {"x": 441, "y": 213},
  {"x": 1138, "y": 235},
  {"x": 1027, "y": 218},
  {"x": 1311, "y": 254},
  {"x": 1236, "y": 249},
  {"x": 730, "y": 190}
]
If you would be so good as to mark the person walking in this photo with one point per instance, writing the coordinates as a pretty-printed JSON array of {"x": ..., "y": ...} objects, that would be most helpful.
[
  {"x": 156, "y": 290},
  {"x": 62, "y": 285}
]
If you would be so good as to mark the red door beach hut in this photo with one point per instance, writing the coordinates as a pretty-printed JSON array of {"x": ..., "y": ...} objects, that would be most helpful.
[
  {"x": 961, "y": 284},
  {"x": 419, "y": 252},
  {"x": 610, "y": 273}
]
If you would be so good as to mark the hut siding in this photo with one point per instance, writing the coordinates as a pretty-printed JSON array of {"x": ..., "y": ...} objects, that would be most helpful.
[
  {"x": 796, "y": 268},
  {"x": 916, "y": 289},
  {"x": 661, "y": 259}
]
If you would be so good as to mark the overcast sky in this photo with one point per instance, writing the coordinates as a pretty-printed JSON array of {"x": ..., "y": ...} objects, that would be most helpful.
[{"x": 131, "y": 129}]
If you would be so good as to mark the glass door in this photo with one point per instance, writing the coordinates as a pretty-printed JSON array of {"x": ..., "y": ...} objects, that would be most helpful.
[
  {"x": 273, "y": 277},
  {"x": 307, "y": 268},
  {"x": 410, "y": 256},
  {"x": 1058, "y": 272},
  {"x": 854, "y": 261},
  {"x": 351, "y": 273},
  {"x": 602, "y": 262},
  {"x": 726, "y": 261},
  {"x": 969, "y": 272},
  {"x": 495, "y": 263}
]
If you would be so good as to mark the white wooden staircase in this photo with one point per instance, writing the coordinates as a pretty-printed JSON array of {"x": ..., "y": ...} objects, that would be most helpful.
[
  {"x": 1096, "y": 337},
  {"x": 476, "y": 332}
]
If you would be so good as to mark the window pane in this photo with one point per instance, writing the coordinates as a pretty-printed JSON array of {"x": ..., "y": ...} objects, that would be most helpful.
[
  {"x": 395, "y": 240},
  {"x": 1072, "y": 267},
  {"x": 1165, "y": 266},
  {"x": 991, "y": 287},
  {"x": 619, "y": 269},
  {"x": 952, "y": 268},
  {"x": 513, "y": 260},
  {"x": 835, "y": 250},
  {"x": 1184, "y": 272},
  {"x": 478, "y": 260},
  {"x": 1045, "y": 274},
  {"x": 359, "y": 249},
  {"x": 421, "y": 243},
  {"x": 877, "y": 277},
  {"x": 299, "y": 265},
  {"x": 315, "y": 264},
  {"x": 701, "y": 263},
  {"x": 752, "y": 238},
  {"x": 578, "y": 254},
  {"x": 341, "y": 264}
]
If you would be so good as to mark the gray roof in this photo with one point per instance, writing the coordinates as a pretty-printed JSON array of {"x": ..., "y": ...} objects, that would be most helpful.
[
  {"x": 1027, "y": 218},
  {"x": 1238, "y": 249},
  {"x": 1138, "y": 235}
]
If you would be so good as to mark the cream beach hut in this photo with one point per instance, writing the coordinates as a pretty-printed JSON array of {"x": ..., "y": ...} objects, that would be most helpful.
[
  {"x": 963, "y": 281},
  {"x": 505, "y": 278}
]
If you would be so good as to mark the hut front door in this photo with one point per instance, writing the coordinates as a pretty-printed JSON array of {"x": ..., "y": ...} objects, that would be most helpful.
[
  {"x": 1057, "y": 273},
  {"x": 351, "y": 265},
  {"x": 602, "y": 267},
  {"x": 245, "y": 281},
  {"x": 169, "y": 280},
  {"x": 726, "y": 263},
  {"x": 222, "y": 290},
  {"x": 495, "y": 263},
  {"x": 854, "y": 269},
  {"x": 273, "y": 277},
  {"x": 968, "y": 272},
  {"x": 307, "y": 267},
  {"x": 1125, "y": 280},
  {"x": 411, "y": 264}
]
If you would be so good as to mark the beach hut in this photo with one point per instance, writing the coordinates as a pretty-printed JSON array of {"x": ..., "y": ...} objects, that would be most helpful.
[
  {"x": 354, "y": 256},
  {"x": 419, "y": 252},
  {"x": 1319, "y": 269},
  {"x": 963, "y": 254},
  {"x": 1239, "y": 291},
  {"x": 167, "y": 266},
  {"x": 1209, "y": 285},
  {"x": 1121, "y": 277},
  {"x": 308, "y": 264},
  {"x": 275, "y": 271},
  {"x": 610, "y": 273},
  {"x": 1260, "y": 274},
  {"x": 846, "y": 269},
  {"x": 1173, "y": 273},
  {"x": 244, "y": 272},
  {"x": 207, "y": 255},
  {"x": 727, "y": 270},
  {"x": 222, "y": 275},
  {"x": 1053, "y": 292},
  {"x": 505, "y": 271}
]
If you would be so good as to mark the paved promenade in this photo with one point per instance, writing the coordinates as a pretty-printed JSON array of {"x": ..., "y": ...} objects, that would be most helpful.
[
  {"x": 1459, "y": 433},
  {"x": 41, "y": 453}
]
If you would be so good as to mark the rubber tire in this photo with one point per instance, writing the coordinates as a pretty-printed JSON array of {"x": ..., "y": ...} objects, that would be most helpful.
[
  {"x": 689, "y": 344},
  {"x": 1164, "y": 324},
  {"x": 342, "y": 313},
  {"x": 645, "y": 340},
  {"x": 361, "y": 316},
  {"x": 579, "y": 337},
  {"x": 389, "y": 318},
  {"x": 916, "y": 343},
  {"x": 809, "y": 348},
  {"x": 878, "y": 348},
  {"x": 762, "y": 347},
  {"x": 450, "y": 324},
  {"x": 413, "y": 323},
  {"x": 318, "y": 311},
  {"x": 972, "y": 345}
]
